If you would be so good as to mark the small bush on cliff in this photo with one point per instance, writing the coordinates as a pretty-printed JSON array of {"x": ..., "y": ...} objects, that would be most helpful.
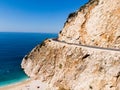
[
  {"x": 26, "y": 57},
  {"x": 42, "y": 44},
  {"x": 70, "y": 16}
]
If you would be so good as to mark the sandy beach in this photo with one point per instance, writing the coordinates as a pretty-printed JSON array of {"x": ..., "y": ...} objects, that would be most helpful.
[{"x": 27, "y": 85}]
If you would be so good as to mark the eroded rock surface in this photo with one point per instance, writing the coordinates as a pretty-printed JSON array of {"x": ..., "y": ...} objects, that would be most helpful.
[
  {"x": 97, "y": 24},
  {"x": 66, "y": 64},
  {"x": 73, "y": 67}
]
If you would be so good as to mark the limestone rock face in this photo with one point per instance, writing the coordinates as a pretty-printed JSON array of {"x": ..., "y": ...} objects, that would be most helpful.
[
  {"x": 73, "y": 67},
  {"x": 96, "y": 24},
  {"x": 72, "y": 61}
]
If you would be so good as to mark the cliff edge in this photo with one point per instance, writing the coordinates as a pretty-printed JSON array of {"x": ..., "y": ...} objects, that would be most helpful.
[
  {"x": 96, "y": 24},
  {"x": 86, "y": 55}
]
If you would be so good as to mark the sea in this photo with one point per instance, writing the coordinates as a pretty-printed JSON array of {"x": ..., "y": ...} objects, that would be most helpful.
[{"x": 13, "y": 47}]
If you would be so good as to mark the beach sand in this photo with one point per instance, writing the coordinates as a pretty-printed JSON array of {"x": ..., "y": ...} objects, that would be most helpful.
[{"x": 28, "y": 85}]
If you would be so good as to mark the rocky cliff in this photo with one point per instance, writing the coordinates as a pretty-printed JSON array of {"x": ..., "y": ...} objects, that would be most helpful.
[
  {"x": 86, "y": 54},
  {"x": 96, "y": 23}
]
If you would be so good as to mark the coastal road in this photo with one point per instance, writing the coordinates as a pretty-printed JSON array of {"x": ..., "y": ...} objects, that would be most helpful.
[{"x": 94, "y": 47}]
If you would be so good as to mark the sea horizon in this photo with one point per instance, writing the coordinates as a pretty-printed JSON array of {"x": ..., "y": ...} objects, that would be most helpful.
[{"x": 29, "y": 32}]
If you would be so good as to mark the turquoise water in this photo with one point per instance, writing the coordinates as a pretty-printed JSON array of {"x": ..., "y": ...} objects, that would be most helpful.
[{"x": 13, "y": 47}]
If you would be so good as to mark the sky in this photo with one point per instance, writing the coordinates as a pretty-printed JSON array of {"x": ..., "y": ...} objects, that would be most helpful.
[{"x": 36, "y": 15}]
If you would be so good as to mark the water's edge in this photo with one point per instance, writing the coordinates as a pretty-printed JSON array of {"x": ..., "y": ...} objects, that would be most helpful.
[
  {"x": 10, "y": 83},
  {"x": 14, "y": 46}
]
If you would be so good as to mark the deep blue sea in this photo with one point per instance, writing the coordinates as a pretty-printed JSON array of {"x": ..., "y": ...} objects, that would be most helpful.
[{"x": 13, "y": 47}]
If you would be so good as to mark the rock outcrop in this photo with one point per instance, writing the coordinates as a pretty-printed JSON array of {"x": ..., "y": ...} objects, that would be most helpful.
[
  {"x": 81, "y": 58},
  {"x": 96, "y": 23}
]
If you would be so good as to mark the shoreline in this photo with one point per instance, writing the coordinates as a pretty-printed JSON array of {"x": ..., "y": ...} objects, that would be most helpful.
[
  {"x": 15, "y": 81},
  {"x": 15, "y": 85},
  {"x": 28, "y": 85}
]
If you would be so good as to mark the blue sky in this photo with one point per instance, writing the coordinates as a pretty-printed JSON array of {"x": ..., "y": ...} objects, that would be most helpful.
[{"x": 36, "y": 15}]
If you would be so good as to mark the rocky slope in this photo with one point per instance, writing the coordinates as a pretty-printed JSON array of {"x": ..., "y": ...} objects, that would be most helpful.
[
  {"x": 70, "y": 62},
  {"x": 74, "y": 67},
  {"x": 96, "y": 23}
]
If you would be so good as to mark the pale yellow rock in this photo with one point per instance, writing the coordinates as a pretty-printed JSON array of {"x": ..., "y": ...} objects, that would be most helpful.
[
  {"x": 72, "y": 62},
  {"x": 74, "y": 67},
  {"x": 97, "y": 24}
]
